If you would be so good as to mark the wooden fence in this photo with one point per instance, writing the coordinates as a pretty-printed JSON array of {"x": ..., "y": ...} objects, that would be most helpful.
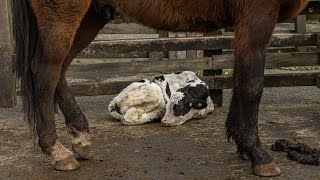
[
  {"x": 137, "y": 56},
  {"x": 106, "y": 66}
]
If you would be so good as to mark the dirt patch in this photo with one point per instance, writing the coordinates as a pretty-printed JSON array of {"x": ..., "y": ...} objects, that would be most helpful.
[{"x": 195, "y": 150}]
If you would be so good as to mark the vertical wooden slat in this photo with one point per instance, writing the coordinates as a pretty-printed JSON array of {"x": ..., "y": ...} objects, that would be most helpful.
[
  {"x": 7, "y": 77},
  {"x": 191, "y": 54},
  {"x": 215, "y": 94},
  {"x": 301, "y": 24},
  {"x": 173, "y": 54},
  {"x": 156, "y": 55},
  {"x": 301, "y": 28}
]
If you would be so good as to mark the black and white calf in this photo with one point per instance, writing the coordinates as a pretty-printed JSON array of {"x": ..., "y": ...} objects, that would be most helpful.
[{"x": 173, "y": 98}]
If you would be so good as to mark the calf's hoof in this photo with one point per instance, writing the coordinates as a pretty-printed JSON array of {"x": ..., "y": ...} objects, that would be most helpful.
[
  {"x": 68, "y": 164},
  {"x": 267, "y": 169}
]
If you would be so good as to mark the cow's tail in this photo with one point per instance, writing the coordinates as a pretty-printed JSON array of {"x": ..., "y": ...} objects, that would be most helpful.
[
  {"x": 114, "y": 110},
  {"x": 27, "y": 48}
]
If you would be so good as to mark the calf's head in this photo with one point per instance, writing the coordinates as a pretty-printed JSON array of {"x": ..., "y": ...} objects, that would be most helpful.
[{"x": 185, "y": 104}]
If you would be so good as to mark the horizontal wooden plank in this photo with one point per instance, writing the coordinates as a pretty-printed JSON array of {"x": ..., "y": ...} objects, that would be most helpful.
[
  {"x": 162, "y": 55},
  {"x": 133, "y": 66},
  {"x": 109, "y": 37},
  {"x": 194, "y": 43},
  {"x": 313, "y": 16},
  {"x": 127, "y": 28},
  {"x": 271, "y": 80},
  {"x": 134, "y": 28},
  {"x": 104, "y": 68},
  {"x": 214, "y": 82},
  {"x": 290, "y": 27},
  {"x": 98, "y": 88},
  {"x": 273, "y": 60},
  {"x": 93, "y": 54}
]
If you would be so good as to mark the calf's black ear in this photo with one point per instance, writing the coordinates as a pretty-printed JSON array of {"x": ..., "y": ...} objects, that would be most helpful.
[{"x": 198, "y": 104}]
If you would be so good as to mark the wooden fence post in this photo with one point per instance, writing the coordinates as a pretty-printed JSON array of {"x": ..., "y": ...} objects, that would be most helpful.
[
  {"x": 7, "y": 77},
  {"x": 301, "y": 28},
  {"x": 192, "y": 54},
  {"x": 301, "y": 24},
  {"x": 215, "y": 94},
  {"x": 157, "y": 55}
]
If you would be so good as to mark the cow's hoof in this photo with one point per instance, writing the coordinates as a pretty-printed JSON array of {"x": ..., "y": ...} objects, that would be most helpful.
[
  {"x": 68, "y": 164},
  {"x": 81, "y": 151},
  {"x": 81, "y": 143},
  {"x": 267, "y": 170},
  {"x": 62, "y": 158}
]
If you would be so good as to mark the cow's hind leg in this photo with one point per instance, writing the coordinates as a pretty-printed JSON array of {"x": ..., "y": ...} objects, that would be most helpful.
[
  {"x": 57, "y": 24},
  {"x": 76, "y": 121},
  {"x": 252, "y": 36}
]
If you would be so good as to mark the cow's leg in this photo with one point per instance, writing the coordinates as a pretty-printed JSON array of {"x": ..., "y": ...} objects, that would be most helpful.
[
  {"x": 57, "y": 28},
  {"x": 253, "y": 33},
  {"x": 75, "y": 119}
]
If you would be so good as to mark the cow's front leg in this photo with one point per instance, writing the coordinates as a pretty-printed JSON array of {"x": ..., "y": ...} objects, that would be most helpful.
[{"x": 252, "y": 37}]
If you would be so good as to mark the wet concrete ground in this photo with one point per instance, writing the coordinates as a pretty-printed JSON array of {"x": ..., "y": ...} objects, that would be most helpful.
[{"x": 195, "y": 150}]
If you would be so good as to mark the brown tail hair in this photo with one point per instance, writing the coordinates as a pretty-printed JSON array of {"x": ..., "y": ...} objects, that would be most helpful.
[{"x": 27, "y": 48}]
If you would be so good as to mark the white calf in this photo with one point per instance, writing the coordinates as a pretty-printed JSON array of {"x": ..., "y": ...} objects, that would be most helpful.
[{"x": 173, "y": 98}]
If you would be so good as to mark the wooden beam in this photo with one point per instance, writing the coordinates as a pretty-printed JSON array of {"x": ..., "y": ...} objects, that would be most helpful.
[
  {"x": 271, "y": 80},
  {"x": 133, "y": 28},
  {"x": 92, "y": 53},
  {"x": 217, "y": 82},
  {"x": 132, "y": 66},
  {"x": 127, "y": 28},
  {"x": 98, "y": 88},
  {"x": 273, "y": 60},
  {"x": 194, "y": 43},
  {"x": 7, "y": 78},
  {"x": 104, "y": 68},
  {"x": 313, "y": 16}
]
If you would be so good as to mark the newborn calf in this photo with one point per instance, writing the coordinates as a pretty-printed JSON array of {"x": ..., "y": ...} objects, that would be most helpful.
[{"x": 173, "y": 98}]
